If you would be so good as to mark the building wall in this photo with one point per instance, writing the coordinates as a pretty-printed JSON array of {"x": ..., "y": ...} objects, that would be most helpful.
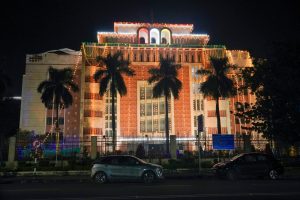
[{"x": 34, "y": 115}]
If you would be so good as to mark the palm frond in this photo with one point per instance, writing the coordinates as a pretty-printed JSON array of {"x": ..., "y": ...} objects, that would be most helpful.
[
  {"x": 176, "y": 87},
  {"x": 104, "y": 82},
  {"x": 120, "y": 85},
  {"x": 67, "y": 98},
  {"x": 155, "y": 75},
  {"x": 203, "y": 72},
  {"x": 99, "y": 73}
]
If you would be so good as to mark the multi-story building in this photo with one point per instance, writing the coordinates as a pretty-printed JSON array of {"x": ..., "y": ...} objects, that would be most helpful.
[{"x": 139, "y": 116}]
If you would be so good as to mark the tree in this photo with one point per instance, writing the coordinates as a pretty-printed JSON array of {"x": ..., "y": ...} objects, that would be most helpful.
[
  {"x": 166, "y": 83},
  {"x": 56, "y": 91},
  {"x": 110, "y": 78},
  {"x": 140, "y": 151},
  {"x": 217, "y": 84},
  {"x": 275, "y": 83}
]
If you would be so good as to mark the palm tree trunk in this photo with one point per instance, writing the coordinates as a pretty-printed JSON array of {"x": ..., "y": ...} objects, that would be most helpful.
[
  {"x": 218, "y": 115},
  {"x": 113, "y": 118},
  {"x": 167, "y": 124}
]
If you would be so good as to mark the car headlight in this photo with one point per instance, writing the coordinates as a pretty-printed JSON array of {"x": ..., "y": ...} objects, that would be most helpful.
[{"x": 158, "y": 172}]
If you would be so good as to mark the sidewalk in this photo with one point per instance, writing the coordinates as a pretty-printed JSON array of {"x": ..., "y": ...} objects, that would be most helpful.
[{"x": 84, "y": 176}]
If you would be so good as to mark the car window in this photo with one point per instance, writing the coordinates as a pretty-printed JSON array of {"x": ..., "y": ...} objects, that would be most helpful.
[
  {"x": 128, "y": 161},
  {"x": 261, "y": 158},
  {"x": 250, "y": 158},
  {"x": 110, "y": 161}
]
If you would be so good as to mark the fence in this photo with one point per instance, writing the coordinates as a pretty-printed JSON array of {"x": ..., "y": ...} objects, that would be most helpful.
[{"x": 78, "y": 149}]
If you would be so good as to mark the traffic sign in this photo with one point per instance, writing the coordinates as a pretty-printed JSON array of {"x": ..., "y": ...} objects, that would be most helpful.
[{"x": 223, "y": 142}]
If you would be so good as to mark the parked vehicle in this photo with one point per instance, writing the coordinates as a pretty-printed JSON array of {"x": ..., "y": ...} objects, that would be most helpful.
[
  {"x": 125, "y": 167},
  {"x": 249, "y": 165}
]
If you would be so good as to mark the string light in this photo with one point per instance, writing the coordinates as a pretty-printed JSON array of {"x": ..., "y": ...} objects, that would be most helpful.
[{"x": 62, "y": 107}]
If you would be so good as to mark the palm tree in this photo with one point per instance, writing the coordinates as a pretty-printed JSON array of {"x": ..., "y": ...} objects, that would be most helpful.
[
  {"x": 56, "y": 92},
  {"x": 217, "y": 84},
  {"x": 110, "y": 79},
  {"x": 166, "y": 83},
  {"x": 5, "y": 82}
]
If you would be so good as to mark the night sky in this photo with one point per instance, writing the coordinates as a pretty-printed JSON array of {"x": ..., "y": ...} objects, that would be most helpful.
[{"x": 36, "y": 26}]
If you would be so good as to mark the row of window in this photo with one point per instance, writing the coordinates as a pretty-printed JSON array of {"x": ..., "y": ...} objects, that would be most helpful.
[
  {"x": 153, "y": 58},
  {"x": 155, "y": 125},
  {"x": 198, "y": 105},
  {"x": 155, "y": 108}
]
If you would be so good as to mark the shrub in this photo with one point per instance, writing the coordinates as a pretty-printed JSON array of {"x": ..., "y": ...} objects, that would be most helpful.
[{"x": 140, "y": 151}]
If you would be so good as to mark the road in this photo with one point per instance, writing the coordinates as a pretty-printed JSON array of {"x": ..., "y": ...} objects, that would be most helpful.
[{"x": 169, "y": 189}]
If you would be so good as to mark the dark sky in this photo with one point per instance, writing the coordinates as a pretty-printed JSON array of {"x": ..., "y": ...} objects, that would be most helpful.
[{"x": 37, "y": 26}]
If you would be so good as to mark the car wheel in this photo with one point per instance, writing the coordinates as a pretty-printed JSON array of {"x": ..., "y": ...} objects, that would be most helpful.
[
  {"x": 273, "y": 174},
  {"x": 231, "y": 175},
  {"x": 100, "y": 177},
  {"x": 148, "y": 177}
]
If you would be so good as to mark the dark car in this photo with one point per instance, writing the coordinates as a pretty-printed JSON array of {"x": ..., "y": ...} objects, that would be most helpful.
[
  {"x": 249, "y": 165},
  {"x": 125, "y": 167}
]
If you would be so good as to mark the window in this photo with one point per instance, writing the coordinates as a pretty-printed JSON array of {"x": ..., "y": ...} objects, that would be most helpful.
[
  {"x": 153, "y": 41},
  {"x": 142, "y": 126},
  {"x": 162, "y": 124},
  {"x": 152, "y": 111},
  {"x": 149, "y": 125},
  {"x": 142, "y": 40},
  {"x": 161, "y": 108},
  {"x": 149, "y": 109},
  {"x": 250, "y": 158},
  {"x": 142, "y": 107},
  {"x": 142, "y": 93},
  {"x": 155, "y": 108},
  {"x": 149, "y": 93}
]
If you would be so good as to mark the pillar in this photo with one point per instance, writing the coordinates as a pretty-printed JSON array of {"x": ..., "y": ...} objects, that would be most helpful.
[
  {"x": 173, "y": 146},
  {"x": 93, "y": 147}
]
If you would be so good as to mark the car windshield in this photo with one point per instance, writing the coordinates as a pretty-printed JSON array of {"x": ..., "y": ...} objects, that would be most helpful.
[
  {"x": 142, "y": 161},
  {"x": 235, "y": 157}
]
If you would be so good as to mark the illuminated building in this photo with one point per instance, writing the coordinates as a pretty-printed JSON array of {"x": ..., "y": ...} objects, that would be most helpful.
[{"x": 139, "y": 116}]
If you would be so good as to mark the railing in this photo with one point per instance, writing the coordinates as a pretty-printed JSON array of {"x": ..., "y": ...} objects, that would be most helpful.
[{"x": 156, "y": 45}]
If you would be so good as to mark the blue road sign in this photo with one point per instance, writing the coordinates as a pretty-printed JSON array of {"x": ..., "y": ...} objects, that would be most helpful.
[{"x": 223, "y": 142}]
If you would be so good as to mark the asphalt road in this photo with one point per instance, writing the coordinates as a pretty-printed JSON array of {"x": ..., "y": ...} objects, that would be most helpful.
[{"x": 169, "y": 189}]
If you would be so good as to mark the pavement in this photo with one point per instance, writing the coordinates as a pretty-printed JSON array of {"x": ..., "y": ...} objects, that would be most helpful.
[{"x": 84, "y": 176}]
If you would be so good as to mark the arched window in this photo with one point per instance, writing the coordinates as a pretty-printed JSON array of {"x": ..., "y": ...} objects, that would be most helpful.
[
  {"x": 142, "y": 40},
  {"x": 143, "y": 35},
  {"x": 153, "y": 40},
  {"x": 165, "y": 36},
  {"x": 154, "y": 35}
]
